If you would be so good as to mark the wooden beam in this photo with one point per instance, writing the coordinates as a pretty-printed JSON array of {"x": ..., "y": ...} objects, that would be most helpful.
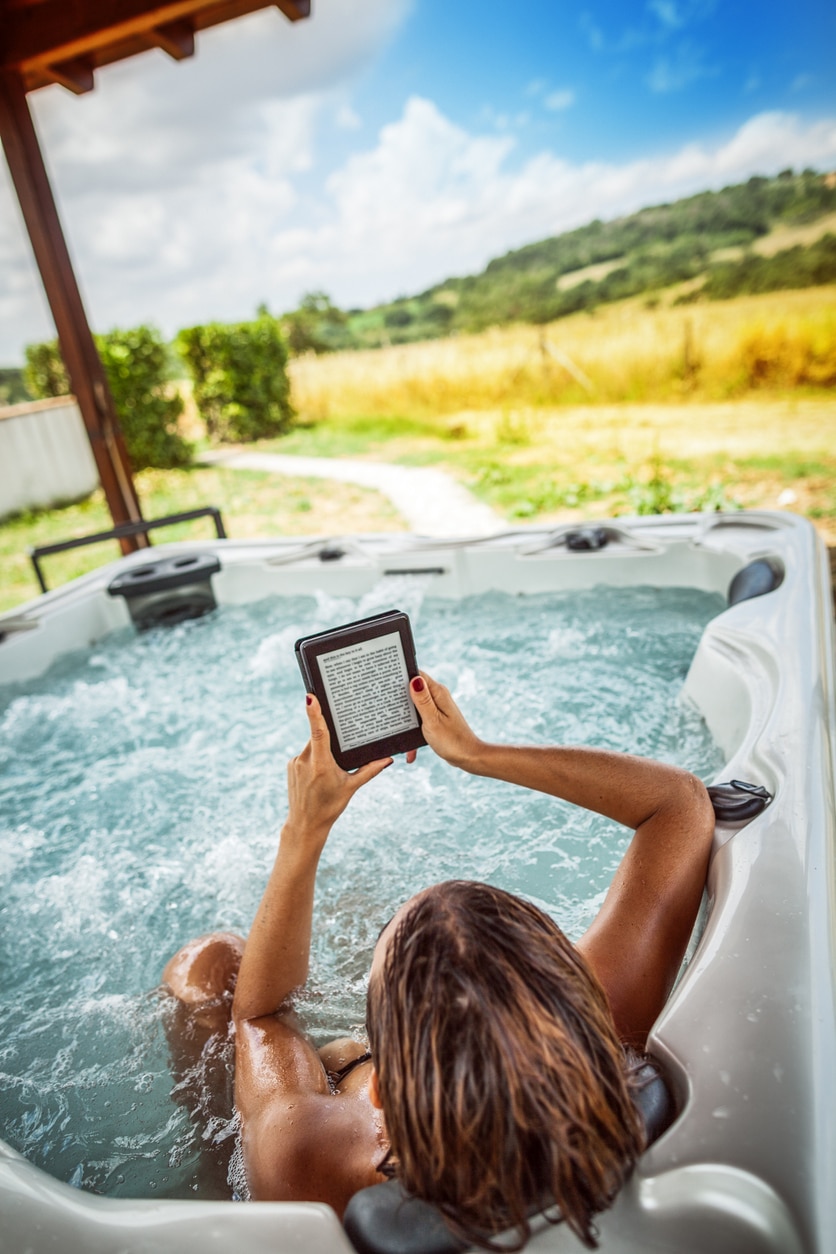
[
  {"x": 175, "y": 38},
  {"x": 56, "y": 30},
  {"x": 68, "y": 30},
  {"x": 87, "y": 376},
  {"x": 294, "y": 10},
  {"x": 75, "y": 75}
]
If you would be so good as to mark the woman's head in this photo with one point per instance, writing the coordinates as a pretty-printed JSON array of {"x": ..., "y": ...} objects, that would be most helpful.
[{"x": 500, "y": 1074}]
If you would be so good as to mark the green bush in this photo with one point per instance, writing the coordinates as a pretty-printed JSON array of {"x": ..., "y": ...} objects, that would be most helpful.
[
  {"x": 44, "y": 373},
  {"x": 13, "y": 389},
  {"x": 136, "y": 366},
  {"x": 240, "y": 378}
]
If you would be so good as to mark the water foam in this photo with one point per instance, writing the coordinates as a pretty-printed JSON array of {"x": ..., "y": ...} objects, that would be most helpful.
[{"x": 141, "y": 794}]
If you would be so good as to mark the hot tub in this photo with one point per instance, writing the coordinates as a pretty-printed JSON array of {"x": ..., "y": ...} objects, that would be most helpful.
[{"x": 749, "y": 1036}]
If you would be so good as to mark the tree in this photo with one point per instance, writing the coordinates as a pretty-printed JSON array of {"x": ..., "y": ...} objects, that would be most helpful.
[{"x": 317, "y": 326}]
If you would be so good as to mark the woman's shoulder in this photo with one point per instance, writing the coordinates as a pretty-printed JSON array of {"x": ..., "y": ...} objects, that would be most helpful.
[{"x": 316, "y": 1147}]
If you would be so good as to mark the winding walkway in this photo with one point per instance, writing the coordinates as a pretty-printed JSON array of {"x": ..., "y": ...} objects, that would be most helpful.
[{"x": 431, "y": 501}]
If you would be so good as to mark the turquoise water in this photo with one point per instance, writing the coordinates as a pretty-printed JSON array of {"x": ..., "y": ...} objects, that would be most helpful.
[{"x": 142, "y": 787}]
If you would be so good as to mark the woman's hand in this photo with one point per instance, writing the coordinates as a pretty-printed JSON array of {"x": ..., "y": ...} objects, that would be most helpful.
[
  {"x": 318, "y": 789},
  {"x": 444, "y": 726}
]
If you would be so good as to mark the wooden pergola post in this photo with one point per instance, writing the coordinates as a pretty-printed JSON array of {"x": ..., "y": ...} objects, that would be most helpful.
[
  {"x": 66, "y": 41},
  {"x": 87, "y": 376}
]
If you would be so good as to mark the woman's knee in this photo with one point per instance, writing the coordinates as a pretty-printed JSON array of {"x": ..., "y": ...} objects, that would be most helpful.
[{"x": 205, "y": 969}]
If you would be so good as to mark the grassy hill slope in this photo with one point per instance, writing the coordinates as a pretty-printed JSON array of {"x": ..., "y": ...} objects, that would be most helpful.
[{"x": 762, "y": 235}]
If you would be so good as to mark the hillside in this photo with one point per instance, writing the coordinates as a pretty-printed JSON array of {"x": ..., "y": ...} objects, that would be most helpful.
[{"x": 762, "y": 235}]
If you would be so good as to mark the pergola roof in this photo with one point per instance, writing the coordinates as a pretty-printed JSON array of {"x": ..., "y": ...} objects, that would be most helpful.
[{"x": 64, "y": 41}]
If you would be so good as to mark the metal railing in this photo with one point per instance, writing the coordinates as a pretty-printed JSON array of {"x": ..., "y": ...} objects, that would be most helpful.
[{"x": 120, "y": 532}]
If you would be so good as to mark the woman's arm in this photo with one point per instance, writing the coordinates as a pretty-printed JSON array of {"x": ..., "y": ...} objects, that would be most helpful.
[
  {"x": 300, "y": 1142},
  {"x": 637, "y": 940},
  {"x": 277, "y": 951}
]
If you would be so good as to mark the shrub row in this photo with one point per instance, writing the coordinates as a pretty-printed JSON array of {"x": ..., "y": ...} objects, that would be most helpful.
[
  {"x": 241, "y": 387},
  {"x": 135, "y": 363},
  {"x": 240, "y": 381}
]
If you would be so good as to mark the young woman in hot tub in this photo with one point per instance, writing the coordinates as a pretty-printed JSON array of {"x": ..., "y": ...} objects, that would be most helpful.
[{"x": 496, "y": 1076}]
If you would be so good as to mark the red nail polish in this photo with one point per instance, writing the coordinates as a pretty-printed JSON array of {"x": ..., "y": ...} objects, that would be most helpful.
[
  {"x": 418, "y": 684},
  {"x": 308, "y": 699}
]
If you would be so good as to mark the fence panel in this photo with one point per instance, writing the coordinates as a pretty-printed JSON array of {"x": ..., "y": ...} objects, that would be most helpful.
[{"x": 45, "y": 456}]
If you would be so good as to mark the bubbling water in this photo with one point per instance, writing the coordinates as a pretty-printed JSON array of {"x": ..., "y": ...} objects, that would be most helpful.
[{"x": 142, "y": 788}]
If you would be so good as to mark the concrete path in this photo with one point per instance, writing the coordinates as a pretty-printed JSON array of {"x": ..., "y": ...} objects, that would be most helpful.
[{"x": 430, "y": 500}]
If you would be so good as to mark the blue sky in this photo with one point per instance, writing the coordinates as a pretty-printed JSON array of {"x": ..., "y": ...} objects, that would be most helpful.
[
  {"x": 607, "y": 79},
  {"x": 384, "y": 145}
]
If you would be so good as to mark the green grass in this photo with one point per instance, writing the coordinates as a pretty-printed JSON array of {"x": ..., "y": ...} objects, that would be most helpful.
[
  {"x": 252, "y": 504},
  {"x": 528, "y": 465},
  {"x": 350, "y": 437},
  {"x": 791, "y": 466},
  {"x": 506, "y": 466}
]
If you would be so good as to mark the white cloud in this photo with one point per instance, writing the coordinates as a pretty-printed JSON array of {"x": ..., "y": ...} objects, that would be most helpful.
[
  {"x": 431, "y": 200},
  {"x": 204, "y": 212},
  {"x": 171, "y": 176},
  {"x": 674, "y": 14},
  {"x": 593, "y": 32},
  {"x": 668, "y": 13},
  {"x": 679, "y": 68},
  {"x": 559, "y": 100},
  {"x": 347, "y": 119}
]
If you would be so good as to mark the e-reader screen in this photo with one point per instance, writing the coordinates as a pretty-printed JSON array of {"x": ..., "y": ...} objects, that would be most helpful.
[
  {"x": 368, "y": 690},
  {"x": 361, "y": 674}
]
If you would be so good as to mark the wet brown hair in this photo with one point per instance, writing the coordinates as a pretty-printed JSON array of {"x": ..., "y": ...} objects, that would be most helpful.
[{"x": 503, "y": 1083}]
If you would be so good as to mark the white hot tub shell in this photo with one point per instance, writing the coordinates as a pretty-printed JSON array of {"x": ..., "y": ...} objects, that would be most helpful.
[{"x": 748, "y": 1037}]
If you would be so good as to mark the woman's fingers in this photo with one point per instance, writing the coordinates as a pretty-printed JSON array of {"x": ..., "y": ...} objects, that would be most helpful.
[
  {"x": 445, "y": 728},
  {"x": 318, "y": 752},
  {"x": 364, "y": 773},
  {"x": 320, "y": 736},
  {"x": 433, "y": 702}
]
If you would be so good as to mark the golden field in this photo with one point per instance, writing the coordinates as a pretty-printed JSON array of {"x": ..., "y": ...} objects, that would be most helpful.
[
  {"x": 632, "y": 410},
  {"x": 635, "y": 408},
  {"x": 623, "y": 353}
]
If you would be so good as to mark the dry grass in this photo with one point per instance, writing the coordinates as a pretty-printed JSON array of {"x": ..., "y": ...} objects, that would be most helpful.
[
  {"x": 634, "y": 408},
  {"x": 624, "y": 353},
  {"x": 785, "y": 236}
]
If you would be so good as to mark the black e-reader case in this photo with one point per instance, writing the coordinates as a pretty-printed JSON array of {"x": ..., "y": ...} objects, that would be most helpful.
[{"x": 310, "y": 648}]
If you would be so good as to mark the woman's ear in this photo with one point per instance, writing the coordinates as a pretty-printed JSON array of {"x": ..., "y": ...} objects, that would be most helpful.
[{"x": 374, "y": 1090}]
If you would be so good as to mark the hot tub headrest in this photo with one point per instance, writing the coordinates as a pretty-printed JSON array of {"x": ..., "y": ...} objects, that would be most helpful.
[
  {"x": 385, "y": 1219},
  {"x": 738, "y": 801},
  {"x": 763, "y": 575},
  {"x": 164, "y": 574},
  {"x": 168, "y": 590}
]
